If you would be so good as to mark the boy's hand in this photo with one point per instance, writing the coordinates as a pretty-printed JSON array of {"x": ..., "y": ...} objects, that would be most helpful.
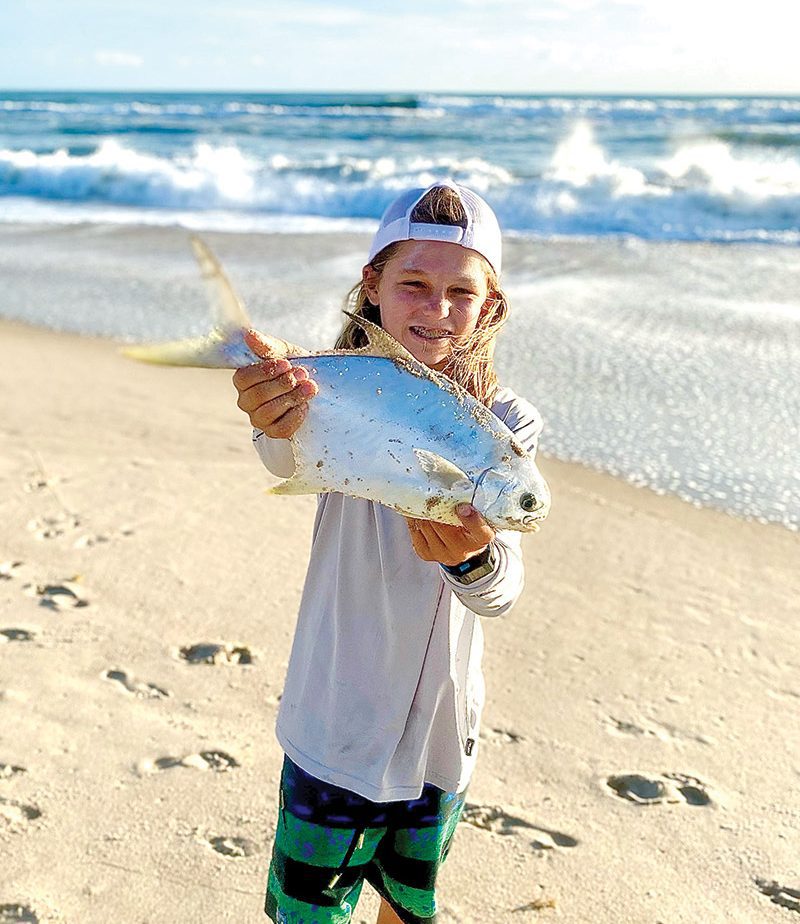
[
  {"x": 450, "y": 545},
  {"x": 274, "y": 394}
]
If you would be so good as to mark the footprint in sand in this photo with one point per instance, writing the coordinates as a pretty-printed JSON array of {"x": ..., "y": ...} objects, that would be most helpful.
[
  {"x": 17, "y": 914},
  {"x": 35, "y": 485},
  {"x": 40, "y": 483},
  {"x": 494, "y": 818},
  {"x": 138, "y": 688},
  {"x": 778, "y": 894},
  {"x": 233, "y": 847},
  {"x": 41, "y": 480},
  {"x": 7, "y": 569},
  {"x": 213, "y": 653},
  {"x": 16, "y": 815},
  {"x": 16, "y": 635},
  {"x": 651, "y": 729},
  {"x": 655, "y": 789},
  {"x": 502, "y": 736},
  {"x": 67, "y": 595},
  {"x": 217, "y": 761},
  {"x": 538, "y": 904},
  {"x": 786, "y": 694},
  {"x": 9, "y": 770},
  {"x": 54, "y": 526},
  {"x": 90, "y": 540}
]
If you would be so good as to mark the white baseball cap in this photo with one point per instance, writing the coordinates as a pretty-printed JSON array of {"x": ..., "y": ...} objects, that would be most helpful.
[{"x": 481, "y": 234}]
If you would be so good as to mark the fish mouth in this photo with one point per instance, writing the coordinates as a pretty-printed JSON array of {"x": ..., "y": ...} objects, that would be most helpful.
[
  {"x": 430, "y": 333},
  {"x": 532, "y": 523}
]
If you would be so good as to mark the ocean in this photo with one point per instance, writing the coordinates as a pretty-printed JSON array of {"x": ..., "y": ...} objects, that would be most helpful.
[
  {"x": 717, "y": 169},
  {"x": 667, "y": 352}
]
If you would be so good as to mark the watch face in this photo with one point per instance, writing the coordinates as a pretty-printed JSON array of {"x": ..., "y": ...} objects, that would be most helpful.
[
  {"x": 475, "y": 574},
  {"x": 474, "y": 569}
]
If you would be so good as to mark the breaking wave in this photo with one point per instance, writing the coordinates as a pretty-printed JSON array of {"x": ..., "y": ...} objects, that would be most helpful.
[{"x": 719, "y": 169}]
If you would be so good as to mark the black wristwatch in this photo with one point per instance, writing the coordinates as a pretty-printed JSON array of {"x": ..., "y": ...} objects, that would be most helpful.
[{"x": 473, "y": 569}]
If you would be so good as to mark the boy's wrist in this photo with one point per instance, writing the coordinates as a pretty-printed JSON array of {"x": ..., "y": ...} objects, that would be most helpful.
[{"x": 474, "y": 568}]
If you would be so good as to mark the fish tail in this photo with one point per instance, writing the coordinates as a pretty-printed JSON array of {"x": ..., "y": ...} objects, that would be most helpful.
[{"x": 225, "y": 345}]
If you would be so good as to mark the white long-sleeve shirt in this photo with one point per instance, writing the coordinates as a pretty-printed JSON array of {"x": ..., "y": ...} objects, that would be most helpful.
[{"x": 384, "y": 689}]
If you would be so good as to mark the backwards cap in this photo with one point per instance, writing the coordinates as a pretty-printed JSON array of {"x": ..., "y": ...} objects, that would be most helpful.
[{"x": 481, "y": 234}]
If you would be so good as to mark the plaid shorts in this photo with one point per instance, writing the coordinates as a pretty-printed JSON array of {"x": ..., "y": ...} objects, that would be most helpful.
[{"x": 329, "y": 841}]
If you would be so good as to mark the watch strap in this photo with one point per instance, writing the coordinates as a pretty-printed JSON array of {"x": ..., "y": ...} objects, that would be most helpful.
[{"x": 473, "y": 569}]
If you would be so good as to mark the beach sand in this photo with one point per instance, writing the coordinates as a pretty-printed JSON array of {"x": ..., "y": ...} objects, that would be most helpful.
[{"x": 640, "y": 755}]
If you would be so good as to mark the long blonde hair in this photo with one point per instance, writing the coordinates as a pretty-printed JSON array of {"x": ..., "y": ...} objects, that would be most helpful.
[{"x": 471, "y": 363}]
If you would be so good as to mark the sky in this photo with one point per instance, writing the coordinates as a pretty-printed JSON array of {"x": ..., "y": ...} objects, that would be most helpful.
[{"x": 511, "y": 46}]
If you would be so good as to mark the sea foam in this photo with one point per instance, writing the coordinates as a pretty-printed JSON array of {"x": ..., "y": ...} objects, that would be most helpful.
[{"x": 702, "y": 190}]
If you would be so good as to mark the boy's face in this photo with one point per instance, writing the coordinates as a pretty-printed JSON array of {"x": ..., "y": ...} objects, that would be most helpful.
[{"x": 430, "y": 293}]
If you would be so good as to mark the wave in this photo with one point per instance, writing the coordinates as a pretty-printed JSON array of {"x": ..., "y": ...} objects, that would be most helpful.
[
  {"x": 703, "y": 190},
  {"x": 224, "y": 177},
  {"x": 785, "y": 137},
  {"x": 101, "y": 107},
  {"x": 757, "y": 109},
  {"x": 709, "y": 166},
  {"x": 211, "y": 105},
  {"x": 199, "y": 104}
]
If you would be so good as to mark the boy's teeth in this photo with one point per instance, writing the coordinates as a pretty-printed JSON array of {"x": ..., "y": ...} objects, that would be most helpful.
[{"x": 426, "y": 332}]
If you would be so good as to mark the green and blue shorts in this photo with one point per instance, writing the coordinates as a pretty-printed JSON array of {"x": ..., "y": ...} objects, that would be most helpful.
[{"x": 329, "y": 841}]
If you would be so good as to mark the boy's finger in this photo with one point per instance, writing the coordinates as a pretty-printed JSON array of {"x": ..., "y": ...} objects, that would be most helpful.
[
  {"x": 266, "y": 390},
  {"x": 436, "y": 534},
  {"x": 476, "y": 527},
  {"x": 273, "y": 409},
  {"x": 257, "y": 344},
  {"x": 248, "y": 376},
  {"x": 419, "y": 540},
  {"x": 285, "y": 426},
  {"x": 272, "y": 406}
]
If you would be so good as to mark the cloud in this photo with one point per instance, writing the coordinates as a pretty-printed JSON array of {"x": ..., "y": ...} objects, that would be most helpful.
[{"x": 118, "y": 59}]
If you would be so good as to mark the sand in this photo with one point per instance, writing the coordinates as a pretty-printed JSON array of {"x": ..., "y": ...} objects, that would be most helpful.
[{"x": 639, "y": 757}]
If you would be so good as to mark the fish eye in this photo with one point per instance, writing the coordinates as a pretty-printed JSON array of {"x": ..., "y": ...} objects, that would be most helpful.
[{"x": 528, "y": 502}]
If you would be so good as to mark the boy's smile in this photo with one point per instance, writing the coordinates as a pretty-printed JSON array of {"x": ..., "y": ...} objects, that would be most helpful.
[{"x": 430, "y": 294}]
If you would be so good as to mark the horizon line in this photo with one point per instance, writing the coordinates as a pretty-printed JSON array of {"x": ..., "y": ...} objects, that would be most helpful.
[
  {"x": 403, "y": 92},
  {"x": 385, "y": 92}
]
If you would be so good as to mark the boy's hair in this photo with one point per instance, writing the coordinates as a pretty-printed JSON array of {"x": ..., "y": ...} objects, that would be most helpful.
[{"x": 471, "y": 363}]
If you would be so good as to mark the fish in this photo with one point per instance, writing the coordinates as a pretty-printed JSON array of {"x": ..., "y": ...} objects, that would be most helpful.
[{"x": 383, "y": 426}]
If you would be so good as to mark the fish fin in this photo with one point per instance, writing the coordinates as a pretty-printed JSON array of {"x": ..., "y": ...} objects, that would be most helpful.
[
  {"x": 228, "y": 308},
  {"x": 218, "y": 349},
  {"x": 442, "y": 471},
  {"x": 382, "y": 343},
  {"x": 230, "y": 316},
  {"x": 297, "y": 484},
  {"x": 224, "y": 346}
]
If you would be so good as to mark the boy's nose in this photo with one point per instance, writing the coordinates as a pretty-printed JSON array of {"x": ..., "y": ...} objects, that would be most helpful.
[{"x": 438, "y": 304}]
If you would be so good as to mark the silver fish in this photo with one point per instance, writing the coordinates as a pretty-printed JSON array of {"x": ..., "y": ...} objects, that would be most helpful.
[{"x": 383, "y": 426}]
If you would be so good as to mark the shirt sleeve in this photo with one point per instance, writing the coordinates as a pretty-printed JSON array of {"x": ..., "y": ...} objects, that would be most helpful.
[
  {"x": 497, "y": 592},
  {"x": 276, "y": 454}
]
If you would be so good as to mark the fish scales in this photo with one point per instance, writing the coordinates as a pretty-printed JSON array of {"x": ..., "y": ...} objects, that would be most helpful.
[
  {"x": 379, "y": 431},
  {"x": 365, "y": 423}
]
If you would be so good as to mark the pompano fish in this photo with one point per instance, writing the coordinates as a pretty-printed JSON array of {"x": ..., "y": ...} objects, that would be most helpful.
[{"x": 383, "y": 426}]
